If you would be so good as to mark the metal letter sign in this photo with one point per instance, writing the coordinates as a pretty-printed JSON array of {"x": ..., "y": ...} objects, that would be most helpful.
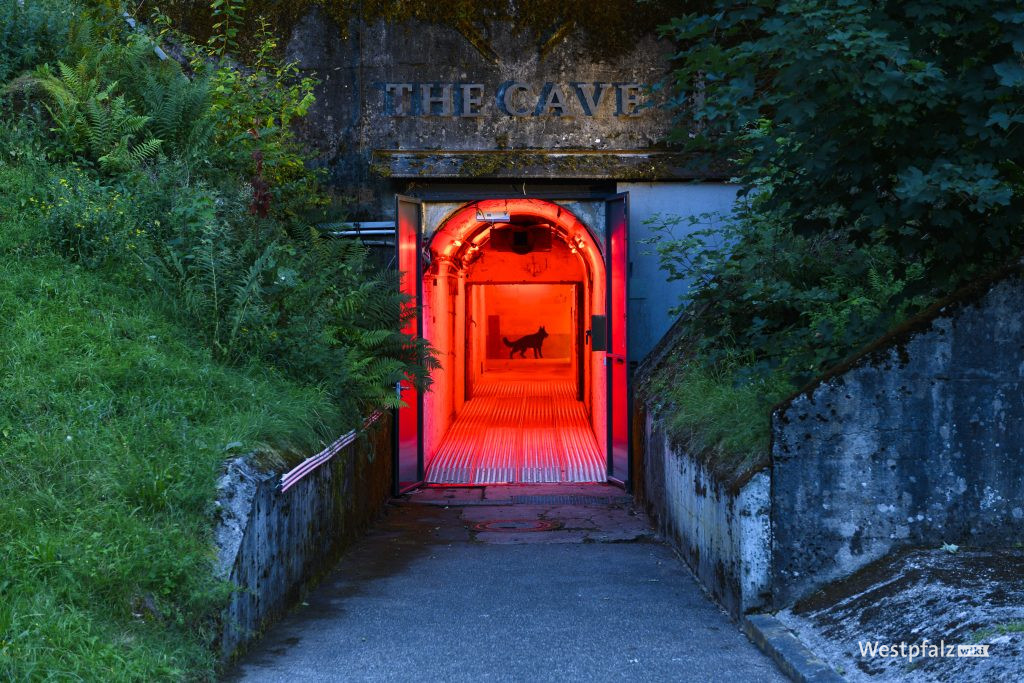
[
  {"x": 409, "y": 420},
  {"x": 513, "y": 98},
  {"x": 617, "y": 357}
]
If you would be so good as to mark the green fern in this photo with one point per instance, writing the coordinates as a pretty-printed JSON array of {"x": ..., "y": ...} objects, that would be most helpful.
[
  {"x": 126, "y": 156},
  {"x": 178, "y": 107},
  {"x": 248, "y": 308},
  {"x": 92, "y": 122},
  {"x": 315, "y": 307},
  {"x": 118, "y": 90}
]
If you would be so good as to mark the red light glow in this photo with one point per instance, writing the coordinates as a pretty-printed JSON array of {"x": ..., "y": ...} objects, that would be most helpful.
[{"x": 511, "y": 401}]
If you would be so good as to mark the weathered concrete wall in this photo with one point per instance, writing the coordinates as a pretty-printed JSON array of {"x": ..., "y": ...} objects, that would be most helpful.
[
  {"x": 920, "y": 442},
  {"x": 403, "y": 102},
  {"x": 274, "y": 544},
  {"x": 722, "y": 534}
]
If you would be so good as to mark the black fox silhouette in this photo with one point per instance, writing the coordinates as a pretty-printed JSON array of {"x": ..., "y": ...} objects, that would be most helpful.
[{"x": 531, "y": 341}]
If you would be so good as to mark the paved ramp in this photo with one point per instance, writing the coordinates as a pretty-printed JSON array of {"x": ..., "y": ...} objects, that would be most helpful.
[{"x": 509, "y": 584}]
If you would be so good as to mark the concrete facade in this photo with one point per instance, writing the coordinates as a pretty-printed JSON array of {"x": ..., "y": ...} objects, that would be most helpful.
[
  {"x": 723, "y": 533},
  {"x": 411, "y": 101},
  {"x": 437, "y": 112},
  {"x": 918, "y": 443},
  {"x": 272, "y": 545}
]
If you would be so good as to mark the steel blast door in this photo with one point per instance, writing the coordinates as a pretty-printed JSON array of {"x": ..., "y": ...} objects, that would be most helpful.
[
  {"x": 408, "y": 448},
  {"x": 617, "y": 357}
]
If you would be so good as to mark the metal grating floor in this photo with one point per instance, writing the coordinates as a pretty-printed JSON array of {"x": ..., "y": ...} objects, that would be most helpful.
[{"x": 518, "y": 430}]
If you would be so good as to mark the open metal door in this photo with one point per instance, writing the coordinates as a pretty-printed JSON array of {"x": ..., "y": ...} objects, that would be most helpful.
[
  {"x": 617, "y": 356},
  {"x": 408, "y": 446}
]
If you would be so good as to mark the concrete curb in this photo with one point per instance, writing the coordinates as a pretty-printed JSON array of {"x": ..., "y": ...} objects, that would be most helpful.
[{"x": 792, "y": 656}]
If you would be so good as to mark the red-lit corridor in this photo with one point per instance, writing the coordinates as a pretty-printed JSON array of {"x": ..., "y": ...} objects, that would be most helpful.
[
  {"x": 522, "y": 426},
  {"x": 514, "y": 298}
]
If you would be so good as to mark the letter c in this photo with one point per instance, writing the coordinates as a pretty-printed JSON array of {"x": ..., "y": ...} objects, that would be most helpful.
[{"x": 505, "y": 97}]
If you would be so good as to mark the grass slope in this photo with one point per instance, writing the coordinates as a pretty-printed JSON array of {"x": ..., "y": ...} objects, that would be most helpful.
[{"x": 112, "y": 428}]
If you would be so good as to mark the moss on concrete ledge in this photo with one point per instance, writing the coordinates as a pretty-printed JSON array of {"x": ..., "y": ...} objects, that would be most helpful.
[{"x": 650, "y": 165}]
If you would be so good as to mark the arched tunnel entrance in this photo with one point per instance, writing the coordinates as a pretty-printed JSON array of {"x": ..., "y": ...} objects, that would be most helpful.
[{"x": 516, "y": 298}]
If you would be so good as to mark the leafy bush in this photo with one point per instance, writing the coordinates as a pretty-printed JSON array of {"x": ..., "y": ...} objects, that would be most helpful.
[
  {"x": 92, "y": 223},
  {"x": 32, "y": 33},
  {"x": 93, "y": 122},
  {"x": 255, "y": 288},
  {"x": 178, "y": 108},
  {"x": 253, "y": 110},
  {"x": 767, "y": 311},
  {"x": 791, "y": 305},
  {"x": 120, "y": 106},
  {"x": 312, "y": 307},
  {"x": 879, "y": 150},
  {"x": 898, "y": 122}
]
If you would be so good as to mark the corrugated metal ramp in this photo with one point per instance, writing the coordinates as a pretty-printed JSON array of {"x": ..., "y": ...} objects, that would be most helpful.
[{"x": 518, "y": 430}]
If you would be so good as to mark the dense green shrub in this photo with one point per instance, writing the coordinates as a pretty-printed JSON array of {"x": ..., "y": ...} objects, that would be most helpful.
[
  {"x": 897, "y": 122},
  {"x": 118, "y": 106},
  {"x": 311, "y": 306},
  {"x": 32, "y": 33},
  {"x": 157, "y": 188},
  {"x": 94, "y": 124},
  {"x": 252, "y": 113},
  {"x": 790, "y": 305},
  {"x": 767, "y": 311},
  {"x": 879, "y": 149}
]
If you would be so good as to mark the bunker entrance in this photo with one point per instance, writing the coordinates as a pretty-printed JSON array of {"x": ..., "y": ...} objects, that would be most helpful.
[{"x": 513, "y": 297}]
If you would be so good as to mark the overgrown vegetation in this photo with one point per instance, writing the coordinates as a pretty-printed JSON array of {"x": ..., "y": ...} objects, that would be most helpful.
[
  {"x": 611, "y": 26},
  {"x": 165, "y": 302},
  {"x": 879, "y": 148},
  {"x": 220, "y": 204},
  {"x": 112, "y": 429},
  {"x": 708, "y": 410},
  {"x": 997, "y": 630}
]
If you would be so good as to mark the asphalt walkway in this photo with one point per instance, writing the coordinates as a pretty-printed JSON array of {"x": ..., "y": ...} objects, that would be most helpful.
[{"x": 526, "y": 583}]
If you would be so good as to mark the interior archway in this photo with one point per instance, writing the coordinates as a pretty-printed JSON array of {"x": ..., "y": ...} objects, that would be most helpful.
[{"x": 509, "y": 288}]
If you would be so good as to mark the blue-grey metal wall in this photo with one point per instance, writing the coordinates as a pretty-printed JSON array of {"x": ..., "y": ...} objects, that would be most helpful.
[{"x": 651, "y": 295}]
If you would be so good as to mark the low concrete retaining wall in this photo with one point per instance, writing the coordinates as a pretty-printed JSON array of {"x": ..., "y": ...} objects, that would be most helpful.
[
  {"x": 273, "y": 544},
  {"x": 722, "y": 532},
  {"x": 918, "y": 442}
]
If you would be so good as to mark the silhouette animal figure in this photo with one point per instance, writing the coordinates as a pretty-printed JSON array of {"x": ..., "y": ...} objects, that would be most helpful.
[{"x": 531, "y": 341}]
